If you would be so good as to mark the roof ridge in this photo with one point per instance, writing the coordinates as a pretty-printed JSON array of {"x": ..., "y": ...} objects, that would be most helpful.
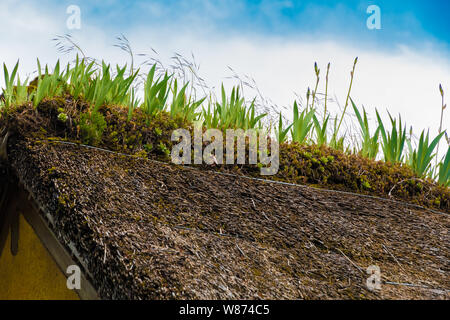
[{"x": 251, "y": 178}]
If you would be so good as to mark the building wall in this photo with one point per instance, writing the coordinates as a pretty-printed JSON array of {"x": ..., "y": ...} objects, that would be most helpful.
[{"x": 32, "y": 273}]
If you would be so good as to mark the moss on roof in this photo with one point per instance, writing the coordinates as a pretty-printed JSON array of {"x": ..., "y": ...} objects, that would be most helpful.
[{"x": 321, "y": 167}]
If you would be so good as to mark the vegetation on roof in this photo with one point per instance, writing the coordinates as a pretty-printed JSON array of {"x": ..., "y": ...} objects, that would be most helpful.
[{"x": 99, "y": 105}]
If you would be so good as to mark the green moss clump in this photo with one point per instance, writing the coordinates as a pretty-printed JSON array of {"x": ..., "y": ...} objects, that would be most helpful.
[
  {"x": 62, "y": 117},
  {"x": 92, "y": 125}
]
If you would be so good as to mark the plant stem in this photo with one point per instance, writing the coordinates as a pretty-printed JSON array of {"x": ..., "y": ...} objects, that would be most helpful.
[
  {"x": 326, "y": 92},
  {"x": 348, "y": 95},
  {"x": 307, "y": 99},
  {"x": 317, "y": 84},
  {"x": 440, "y": 126}
]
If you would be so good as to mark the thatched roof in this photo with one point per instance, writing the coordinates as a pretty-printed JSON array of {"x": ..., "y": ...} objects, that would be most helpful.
[{"x": 148, "y": 230}]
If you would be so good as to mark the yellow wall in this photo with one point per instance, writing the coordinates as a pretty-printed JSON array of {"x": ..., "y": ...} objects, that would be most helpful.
[{"x": 32, "y": 273}]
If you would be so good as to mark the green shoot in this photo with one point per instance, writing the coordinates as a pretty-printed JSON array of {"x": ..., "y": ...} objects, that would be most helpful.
[
  {"x": 393, "y": 142},
  {"x": 282, "y": 133},
  {"x": 321, "y": 130},
  {"x": 302, "y": 124},
  {"x": 444, "y": 170},
  {"x": 369, "y": 144},
  {"x": 420, "y": 159}
]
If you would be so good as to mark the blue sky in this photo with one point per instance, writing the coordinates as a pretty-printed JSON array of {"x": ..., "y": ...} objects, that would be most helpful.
[{"x": 410, "y": 22}]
